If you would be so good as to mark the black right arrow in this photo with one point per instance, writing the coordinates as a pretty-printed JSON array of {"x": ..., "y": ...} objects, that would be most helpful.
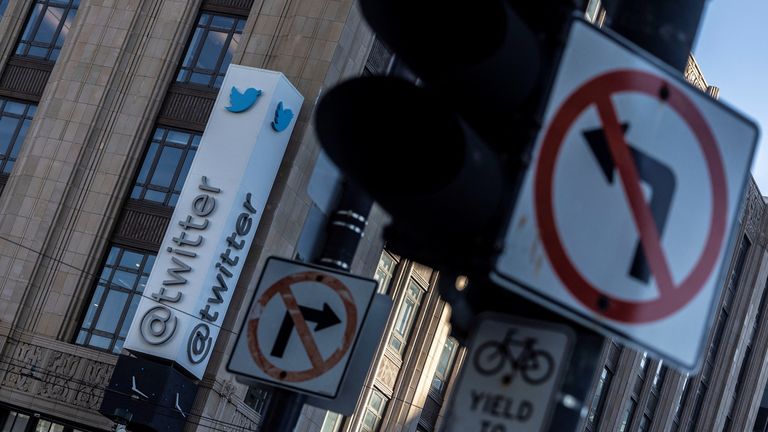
[
  {"x": 658, "y": 176},
  {"x": 323, "y": 318}
]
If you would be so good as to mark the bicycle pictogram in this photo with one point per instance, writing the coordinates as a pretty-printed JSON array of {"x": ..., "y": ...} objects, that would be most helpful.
[{"x": 535, "y": 365}]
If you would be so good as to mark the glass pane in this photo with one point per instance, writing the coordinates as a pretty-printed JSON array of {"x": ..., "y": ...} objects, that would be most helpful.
[
  {"x": 38, "y": 52},
  {"x": 65, "y": 28},
  {"x": 222, "y": 23},
  {"x": 7, "y": 131},
  {"x": 20, "y": 138},
  {"x": 142, "y": 284},
  {"x": 118, "y": 346},
  {"x": 110, "y": 314},
  {"x": 43, "y": 426},
  {"x": 375, "y": 402},
  {"x": 124, "y": 279},
  {"x": 20, "y": 425},
  {"x": 188, "y": 59},
  {"x": 184, "y": 170},
  {"x": 404, "y": 317},
  {"x": 155, "y": 196},
  {"x": 395, "y": 343},
  {"x": 99, "y": 342},
  {"x": 177, "y": 137},
  {"x": 3, "y": 6},
  {"x": 49, "y": 25},
  {"x": 369, "y": 420},
  {"x": 149, "y": 264},
  {"x": 32, "y": 22},
  {"x": 166, "y": 166},
  {"x": 81, "y": 337},
  {"x": 131, "y": 260},
  {"x": 14, "y": 108},
  {"x": 148, "y": 159},
  {"x": 57, "y": 428},
  {"x": 199, "y": 78},
  {"x": 129, "y": 315},
  {"x": 212, "y": 48},
  {"x": 93, "y": 307}
]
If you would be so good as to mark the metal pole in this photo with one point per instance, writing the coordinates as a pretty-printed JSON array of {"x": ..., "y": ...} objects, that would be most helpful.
[
  {"x": 344, "y": 231},
  {"x": 665, "y": 28}
]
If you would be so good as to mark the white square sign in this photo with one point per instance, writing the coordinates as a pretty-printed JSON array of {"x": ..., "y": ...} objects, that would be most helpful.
[
  {"x": 625, "y": 217},
  {"x": 511, "y": 375},
  {"x": 302, "y": 326}
]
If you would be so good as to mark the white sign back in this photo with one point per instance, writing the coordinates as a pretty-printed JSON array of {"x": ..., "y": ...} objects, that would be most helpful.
[
  {"x": 624, "y": 220},
  {"x": 511, "y": 376}
]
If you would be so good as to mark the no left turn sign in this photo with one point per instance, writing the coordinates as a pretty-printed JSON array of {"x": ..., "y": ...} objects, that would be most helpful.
[
  {"x": 624, "y": 220},
  {"x": 302, "y": 327}
]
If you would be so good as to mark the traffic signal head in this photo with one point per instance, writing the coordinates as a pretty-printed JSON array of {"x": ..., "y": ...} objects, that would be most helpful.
[
  {"x": 440, "y": 157},
  {"x": 415, "y": 156}
]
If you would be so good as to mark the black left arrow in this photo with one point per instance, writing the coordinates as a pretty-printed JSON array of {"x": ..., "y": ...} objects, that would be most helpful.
[
  {"x": 323, "y": 318},
  {"x": 657, "y": 175}
]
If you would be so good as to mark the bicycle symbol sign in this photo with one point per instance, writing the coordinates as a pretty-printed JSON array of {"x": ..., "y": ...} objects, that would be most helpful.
[
  {"x": 535, "y": 365},
  {"x": 515, "y": 368}
]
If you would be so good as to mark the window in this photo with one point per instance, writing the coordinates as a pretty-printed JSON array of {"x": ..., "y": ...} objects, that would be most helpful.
[
  {"x": 165, "y": 166},
  {"x": 332, "y": 422},
  {"x": 257, "y": 398},
  {"x": 625, "y": 420},
  {"x": 3, "y": 7},
  {"x": 115, "y": 299},
  {"x": 405, "y": 317},
  {"x": 444, "y": 365},
  {"x": 593, "y": 9},
  {"x": 598, "y": 399},
  {"x": 210, "y": 50},
  {"x": 384, "y": 271},
  {"x": 47, "y": 426},
  {"x": 374, "y": 412},
  {"x": 15, "y": 118},
  {"x": 15, "y": 422},
  {"x": 46, "y": 29}
]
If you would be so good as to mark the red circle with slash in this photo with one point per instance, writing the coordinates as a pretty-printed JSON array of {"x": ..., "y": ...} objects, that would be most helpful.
[
  {"x": 597, "y": 92},
  {"x": 283, "y": 289}
]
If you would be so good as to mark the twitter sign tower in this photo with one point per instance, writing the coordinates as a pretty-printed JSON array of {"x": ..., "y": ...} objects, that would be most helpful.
[{"x": 217, "y": 215}]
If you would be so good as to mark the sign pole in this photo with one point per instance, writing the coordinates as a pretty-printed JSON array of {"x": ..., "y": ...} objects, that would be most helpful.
[{"x": 344, "y": 231}]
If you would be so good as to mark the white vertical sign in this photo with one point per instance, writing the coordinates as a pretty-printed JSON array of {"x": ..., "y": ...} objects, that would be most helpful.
[{"x": 215, "y": 219}]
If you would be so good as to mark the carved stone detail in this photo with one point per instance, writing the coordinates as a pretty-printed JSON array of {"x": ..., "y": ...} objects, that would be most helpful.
[
  {"x": 90, "y": 388},
  {"x": 387, "y": 373},
  {"x": 23, "y": 368},
  {"x": 753, "y": 212},
  {"x": 58, "y": 378}
]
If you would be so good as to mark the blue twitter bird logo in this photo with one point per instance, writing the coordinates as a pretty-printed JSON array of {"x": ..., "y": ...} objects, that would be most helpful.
[
  {"x": 240, "y": 102},
  {"x": 283, "y": 118}
]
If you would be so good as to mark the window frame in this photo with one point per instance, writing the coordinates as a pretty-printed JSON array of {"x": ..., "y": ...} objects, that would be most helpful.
[
  {"x": 32, "y": 25},
  {"x": 140, "y": 189},
  {"x": 395, "y": 334},
  {"x": 220, "y": 69},
  {"x": 378, "y": 414},
  {"x": 14, "y": 145},
  {"x": 107, "y": 286}
]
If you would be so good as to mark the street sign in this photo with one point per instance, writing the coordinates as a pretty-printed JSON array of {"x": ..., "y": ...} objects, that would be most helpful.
[
  {"x": 302, "y": 326},
  {"x": 625, "y": 220},
  {"x": 509, "y": 380}
]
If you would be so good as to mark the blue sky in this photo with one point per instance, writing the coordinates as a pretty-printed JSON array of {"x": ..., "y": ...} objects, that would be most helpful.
[{"x": 733, "y": 54}]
